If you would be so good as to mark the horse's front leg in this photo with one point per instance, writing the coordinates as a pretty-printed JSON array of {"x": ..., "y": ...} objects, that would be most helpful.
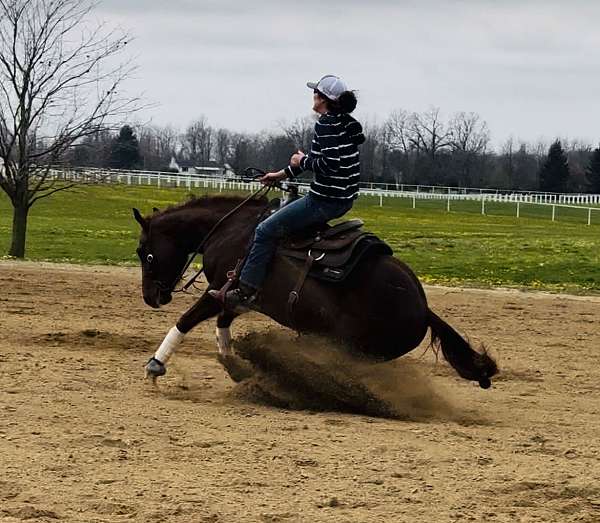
[{"x": 206, "y": 307}]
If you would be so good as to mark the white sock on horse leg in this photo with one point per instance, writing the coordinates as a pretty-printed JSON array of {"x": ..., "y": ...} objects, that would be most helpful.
[
  {"x": 224, "y": 340},
  {"x": 172, "y": 340}
]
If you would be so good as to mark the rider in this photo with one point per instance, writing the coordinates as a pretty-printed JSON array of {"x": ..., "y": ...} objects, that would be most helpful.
[{"x": 334, "y": 159}]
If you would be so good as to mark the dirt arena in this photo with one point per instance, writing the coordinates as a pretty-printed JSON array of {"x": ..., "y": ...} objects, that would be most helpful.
[{"x": 84, "y": 438}]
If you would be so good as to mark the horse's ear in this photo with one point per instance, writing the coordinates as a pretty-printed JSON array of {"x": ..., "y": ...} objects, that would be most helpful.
[
  {"x": 140, "y": 219},
  {"x": 155, "y": 209}
]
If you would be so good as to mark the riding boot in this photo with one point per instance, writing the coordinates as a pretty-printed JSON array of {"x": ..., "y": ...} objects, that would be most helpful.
[{"x": 242, "y": 299}]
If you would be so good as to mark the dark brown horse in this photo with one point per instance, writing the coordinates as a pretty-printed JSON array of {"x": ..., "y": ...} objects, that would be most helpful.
[{"x": 380, "y": 309}]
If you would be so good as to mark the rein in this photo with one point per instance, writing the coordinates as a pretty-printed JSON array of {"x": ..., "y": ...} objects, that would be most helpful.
[{"x": 249, "y": 175}]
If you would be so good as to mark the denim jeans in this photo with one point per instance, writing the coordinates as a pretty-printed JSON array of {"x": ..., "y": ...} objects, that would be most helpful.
[{"x": 292, "y": 218}]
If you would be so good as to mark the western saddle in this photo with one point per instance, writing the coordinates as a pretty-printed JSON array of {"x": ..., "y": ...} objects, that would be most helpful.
[{"x": 330, "y": 253}]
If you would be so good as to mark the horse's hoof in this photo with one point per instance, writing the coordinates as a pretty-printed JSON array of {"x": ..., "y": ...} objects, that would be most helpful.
[
  {"x": 154, "y": 369},
  {"x": 485, "y": 383}
]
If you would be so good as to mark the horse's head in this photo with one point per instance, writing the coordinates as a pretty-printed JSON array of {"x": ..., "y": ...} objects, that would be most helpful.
[{"x": 162, "y": 261}]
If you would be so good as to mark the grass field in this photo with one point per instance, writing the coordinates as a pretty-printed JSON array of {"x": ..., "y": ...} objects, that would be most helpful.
[{"x": 95, "y": 225}]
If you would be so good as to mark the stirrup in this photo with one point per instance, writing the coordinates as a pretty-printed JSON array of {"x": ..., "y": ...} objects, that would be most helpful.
[
  {"x": 219, "y": 295},
  {"x": 236, "y": 300}
]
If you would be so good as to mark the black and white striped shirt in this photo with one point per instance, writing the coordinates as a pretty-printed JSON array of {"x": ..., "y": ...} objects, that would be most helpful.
[{"x": 334, "y": 158}]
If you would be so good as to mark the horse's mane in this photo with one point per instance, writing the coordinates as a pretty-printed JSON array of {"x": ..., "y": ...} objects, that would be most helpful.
[{"x": 206, "y": 202}]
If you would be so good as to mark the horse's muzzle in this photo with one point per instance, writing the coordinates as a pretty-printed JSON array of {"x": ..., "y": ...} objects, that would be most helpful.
[
  {"x": 164, "y": 297},
  {"x": 157, "y": 298}
]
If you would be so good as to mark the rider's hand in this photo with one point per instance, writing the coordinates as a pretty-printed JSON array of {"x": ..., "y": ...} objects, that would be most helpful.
[
  {"x": 297, "y": 158},
  {"x": 271, "y": 178}
]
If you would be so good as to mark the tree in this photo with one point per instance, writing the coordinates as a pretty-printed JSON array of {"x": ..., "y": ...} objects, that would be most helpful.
[
  {"x": 593, "y": 172},
  {"x": 157, "y": 146},
  {"x": 554, "y": 174},
  {"x": 428, "y": 133},
  {"x": 469, "y": 138},
  {"x": 507, "y": 162},
  {"x": 300, "y": 133},
  {"x": 125, "y": 150},
  {"x": 222, "y": 146},
  {"x": 58, "y": 84},
  {"x": 197, "y": 141}
]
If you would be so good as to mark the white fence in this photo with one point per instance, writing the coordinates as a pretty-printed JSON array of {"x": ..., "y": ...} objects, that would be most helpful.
[{"x": 553, "y": 201}]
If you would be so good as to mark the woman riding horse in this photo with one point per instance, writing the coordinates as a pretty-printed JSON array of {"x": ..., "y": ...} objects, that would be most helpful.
[{"x": 335, "y": 161}]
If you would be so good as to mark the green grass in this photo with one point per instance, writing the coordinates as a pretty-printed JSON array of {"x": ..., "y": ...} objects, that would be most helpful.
[{"x": 95, "y": 225}]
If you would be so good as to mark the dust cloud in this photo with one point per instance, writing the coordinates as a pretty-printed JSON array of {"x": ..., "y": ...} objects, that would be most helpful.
[{"x": 309, "y": 372}]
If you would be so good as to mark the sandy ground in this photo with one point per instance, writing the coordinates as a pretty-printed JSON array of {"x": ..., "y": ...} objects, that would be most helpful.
[{"x": 84, "y": 438}]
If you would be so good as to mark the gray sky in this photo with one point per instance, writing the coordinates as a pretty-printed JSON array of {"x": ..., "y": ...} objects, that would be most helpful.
[{"x": 529, "y": 68}]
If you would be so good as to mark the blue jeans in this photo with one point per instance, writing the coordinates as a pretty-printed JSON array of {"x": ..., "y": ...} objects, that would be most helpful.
[{"x": 293, "y": 217}]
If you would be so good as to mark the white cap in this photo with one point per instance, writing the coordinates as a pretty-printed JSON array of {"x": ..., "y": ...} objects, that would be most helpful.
[{"x": 330, "y": 85}]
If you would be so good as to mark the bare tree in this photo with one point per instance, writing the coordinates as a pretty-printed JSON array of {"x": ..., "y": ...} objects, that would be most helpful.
[
  {"x": 469, "y": 137},
  {"x": 157, "y": 145},
  {"x": 508, "y": 161},
  {"x": 300, "y": 132},
  {"x": 398, "y": 130},
  {"x": 197, "y": 141},
  {"x": 428, "y": 134},
  {"x": 396, "y": 147},
  {"x": 167, "y": 143},
  {"x": 222, "y": 146},
  {"x": 468, "y": 133},
  {"x": 58, "y": 84}
]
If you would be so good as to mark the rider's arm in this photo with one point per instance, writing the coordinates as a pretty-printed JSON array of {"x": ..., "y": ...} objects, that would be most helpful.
[
  {"x": 324, "y": 157},
  {"x": 292, "y": 172}
]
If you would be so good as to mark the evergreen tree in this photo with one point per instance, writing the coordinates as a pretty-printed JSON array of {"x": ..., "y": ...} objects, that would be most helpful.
[
  {"x": 554, "y": 174},
  {"x": 125, "y": 150},
  {"x": 593, "y": 172}
]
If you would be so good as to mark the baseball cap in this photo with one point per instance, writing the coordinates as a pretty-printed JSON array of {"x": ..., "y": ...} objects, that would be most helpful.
[{"x": 330, "y": 85}]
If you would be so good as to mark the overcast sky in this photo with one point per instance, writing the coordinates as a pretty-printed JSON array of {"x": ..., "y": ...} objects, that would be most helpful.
[{"x": 530, "y": 68}]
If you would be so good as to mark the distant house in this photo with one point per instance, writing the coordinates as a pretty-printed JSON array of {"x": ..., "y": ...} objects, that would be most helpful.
[{"x": 210, "y": 168}]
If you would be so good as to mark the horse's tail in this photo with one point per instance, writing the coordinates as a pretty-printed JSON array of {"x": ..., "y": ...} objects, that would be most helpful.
[{"x": 470, "y": 364}]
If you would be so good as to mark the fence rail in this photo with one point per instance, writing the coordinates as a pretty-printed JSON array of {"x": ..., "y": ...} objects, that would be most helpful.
[{"x": 414, "y": 193}]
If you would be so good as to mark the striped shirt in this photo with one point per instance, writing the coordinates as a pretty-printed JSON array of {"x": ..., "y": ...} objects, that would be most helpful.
[{"x": 334, "y": 158}]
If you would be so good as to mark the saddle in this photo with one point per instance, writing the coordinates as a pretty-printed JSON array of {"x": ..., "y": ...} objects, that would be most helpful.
[
  {"x": 330, "y": 253},
  {"x": 333, "y": 251}
]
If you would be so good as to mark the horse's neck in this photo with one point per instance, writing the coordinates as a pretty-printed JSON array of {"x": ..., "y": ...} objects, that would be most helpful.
[{"x": 192, "y": 225}]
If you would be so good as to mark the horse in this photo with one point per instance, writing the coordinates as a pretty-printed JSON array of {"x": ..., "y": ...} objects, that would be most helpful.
[{"x": 380, "y": 310}]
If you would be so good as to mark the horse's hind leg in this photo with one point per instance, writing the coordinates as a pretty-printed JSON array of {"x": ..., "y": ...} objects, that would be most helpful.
[
  {"x": 237, "y": 368},
  {"x": 223, "y": 332}
]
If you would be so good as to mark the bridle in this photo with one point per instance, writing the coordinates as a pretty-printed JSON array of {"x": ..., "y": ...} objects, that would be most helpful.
[{"x": 248, "y": 175}]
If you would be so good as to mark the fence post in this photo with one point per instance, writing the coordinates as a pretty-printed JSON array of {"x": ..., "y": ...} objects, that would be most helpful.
[
  {"x": 518, "y": 209},
  {"x": 381, "y": 200},
  {"x": 553, "y": 212},
  {"x": 414, "y": 202},
  {"x": 483, "y": 204},
  {"x": 448, "y": 206},
  {"x": 590, "y": 216}
]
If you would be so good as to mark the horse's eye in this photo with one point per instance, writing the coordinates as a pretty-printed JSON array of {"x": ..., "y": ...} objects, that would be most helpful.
[{"x": 149, "y": 258}]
